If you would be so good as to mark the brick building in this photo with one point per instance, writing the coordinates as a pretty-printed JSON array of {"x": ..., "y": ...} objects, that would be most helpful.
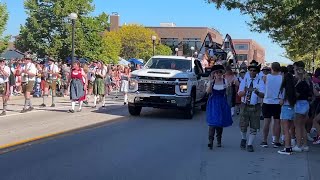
[{"x": 248, "y": 49}]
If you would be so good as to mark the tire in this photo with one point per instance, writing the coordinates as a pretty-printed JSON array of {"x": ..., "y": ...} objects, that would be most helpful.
[
  {"x": 134, "y": 110},
  {"x": 189, "y": 112}
]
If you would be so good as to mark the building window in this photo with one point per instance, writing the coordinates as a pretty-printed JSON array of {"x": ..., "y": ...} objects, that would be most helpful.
[
  {"x": 241, "y": 47},
  {"x": 242, "y": 57},
  {"x": 189, "y": 42},
  {"x": 171, "y": 42},
  {"x": 227, "y": 45}
]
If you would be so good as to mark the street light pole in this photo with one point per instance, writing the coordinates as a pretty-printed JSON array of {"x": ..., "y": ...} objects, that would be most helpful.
[
  {"x": 73, "y": 17},
  {"x": 153, "y": 43},
  {"x": 176, "y": 49},
  {"x": 192, "y": 49}
]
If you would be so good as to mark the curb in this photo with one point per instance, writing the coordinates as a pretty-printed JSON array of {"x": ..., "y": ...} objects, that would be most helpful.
[{"x": 27, "y": 142}]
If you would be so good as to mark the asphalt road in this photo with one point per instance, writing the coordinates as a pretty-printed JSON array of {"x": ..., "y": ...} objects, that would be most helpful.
[{"x": 159, "y": 145}]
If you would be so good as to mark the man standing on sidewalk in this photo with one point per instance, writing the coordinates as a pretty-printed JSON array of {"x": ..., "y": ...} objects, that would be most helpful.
[
  {"x": 4, "y": 84},
  {"x": 51, "y": 76},
  {"x": 250, "y": 90},
  {"x": 28, "y": 74}
]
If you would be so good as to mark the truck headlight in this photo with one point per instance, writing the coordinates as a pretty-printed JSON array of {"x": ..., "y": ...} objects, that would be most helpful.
[
  {"x": 183, "y": 88},
  {"x": 133, "y": 84}
]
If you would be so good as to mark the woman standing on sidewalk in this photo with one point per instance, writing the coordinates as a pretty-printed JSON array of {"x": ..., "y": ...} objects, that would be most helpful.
[
  {"x": 218, "y": 110},
  {"x": 125, "y": 84},
  {"x": 77, "y": 86},
  {"x": 287, "y": 102},
  {"x": 99, "y": 84}
]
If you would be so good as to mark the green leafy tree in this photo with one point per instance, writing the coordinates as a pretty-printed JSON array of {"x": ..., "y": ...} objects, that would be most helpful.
[
  {"x": 4, "y": 16},
  {"x": 136, "y": 42},
  {"x": 294, "y": 24},
  {"x": 111, "y": 47},
  {"x": 48, "y": 29}
]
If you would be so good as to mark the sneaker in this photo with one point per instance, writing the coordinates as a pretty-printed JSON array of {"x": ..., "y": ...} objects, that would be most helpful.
[
  {"x": 42, "y": 105},
  {"x": 276, "y": 145},
  {"x": 71, "y": 111},
  {"x": 317, "y": 141},
  {"x": 311, "y": 139},
  {"x": 273, "y": 143},
  {"x": 264, "y": 144},
  {"x": 296, "y": 149},
  {"x": 250, "y": 148},
  {"x": 3, "y": 113},
  {"x": 53, "y": 105},
  {"x": 305, "y": 148},
  {"x": 243, "y": 144},
  {"x": 24, "y": 110},
  {"x": 30, "y": 108},
  {"x": 286, "y": 151},
  {"x": 313, "y": 132},
  {"x": 293, "y": 142}
]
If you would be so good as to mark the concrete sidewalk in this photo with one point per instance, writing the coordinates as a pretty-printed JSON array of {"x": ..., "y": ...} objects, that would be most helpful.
[{"x": 18, "y": 128}]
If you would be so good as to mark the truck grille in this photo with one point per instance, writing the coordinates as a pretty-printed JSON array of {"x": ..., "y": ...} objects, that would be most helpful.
[{"x": 157, "y": 88}]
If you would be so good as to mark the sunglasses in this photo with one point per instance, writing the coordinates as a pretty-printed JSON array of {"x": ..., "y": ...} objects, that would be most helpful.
[
  {"x": 218, "y": 72},
  {"x": 252, "y": 70}
]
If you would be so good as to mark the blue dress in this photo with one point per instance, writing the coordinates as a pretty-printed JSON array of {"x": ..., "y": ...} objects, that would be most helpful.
[{"x": 218, "y": 111}]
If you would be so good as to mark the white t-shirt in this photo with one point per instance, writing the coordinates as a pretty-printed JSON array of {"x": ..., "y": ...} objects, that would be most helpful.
[
  {"x": 5, "y": 79},
  {"x": 54, "y": 68},
  {"x": 273, "y": 85},
  {"x": 30, "y": 67}
]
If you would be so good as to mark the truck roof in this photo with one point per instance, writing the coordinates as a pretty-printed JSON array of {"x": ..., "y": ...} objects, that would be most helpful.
[{"x": 174, "y": 57}]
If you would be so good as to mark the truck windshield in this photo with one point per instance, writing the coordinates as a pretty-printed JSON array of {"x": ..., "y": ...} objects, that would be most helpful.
[{"x": 166, "y": 63}]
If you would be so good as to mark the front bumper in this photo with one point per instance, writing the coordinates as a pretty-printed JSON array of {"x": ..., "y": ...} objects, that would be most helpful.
[{"x": 158, "y": 100}]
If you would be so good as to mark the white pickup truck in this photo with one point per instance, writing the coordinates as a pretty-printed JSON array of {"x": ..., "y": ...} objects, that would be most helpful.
[{"x": 168, "y": 82}]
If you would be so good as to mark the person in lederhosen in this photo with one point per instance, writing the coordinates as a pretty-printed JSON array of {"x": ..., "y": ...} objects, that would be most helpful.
[
  {"x": 99, "y": 84},
  {"x": 218, "y": 110},
  {"x": 28, "y": 76},
  {"x": 51, "y": 73},
  {"x": 4, "y": 84}
]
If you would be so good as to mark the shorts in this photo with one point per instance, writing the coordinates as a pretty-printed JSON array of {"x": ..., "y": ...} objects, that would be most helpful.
[
  {"x": 249, "y": 116},
  {"x": 287, "y": 113},
  {"x": 27, "y": 86},
  {"x": 302, "y": 107},
  {"x": 52, "y": 84},
  {"x": 3, "y": 89},
  {"x": 271, "y": 110}
]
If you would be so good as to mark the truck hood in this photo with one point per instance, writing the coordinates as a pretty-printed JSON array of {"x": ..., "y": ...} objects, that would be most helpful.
[{"x": 165, "y": 73}]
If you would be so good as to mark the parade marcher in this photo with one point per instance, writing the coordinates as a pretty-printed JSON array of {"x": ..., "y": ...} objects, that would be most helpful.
[
  {"x": 99, "y": 84},
  {"x": 125, "y": 84},
  {"x": 287, "y": 102},
  {"x": 51, "y": 73},
  {"x": 271, "y": 105},
  {"x": 91, "y": 78},
  {"x": 218, "y": 111},
  {"x": 28, "y": 77},
  {"x": 4, "y": 85},
  {"x": 250, "y": 91},
  {"x": 78, "y": 85},
  {"x": 232, "y": 86}
]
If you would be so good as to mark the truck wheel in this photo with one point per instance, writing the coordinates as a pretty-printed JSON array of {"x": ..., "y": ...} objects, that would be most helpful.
[
  {"x": 204, "y": 107},
  {"x": 189, "y": 112},
  {"x": 134, "y": 110}
]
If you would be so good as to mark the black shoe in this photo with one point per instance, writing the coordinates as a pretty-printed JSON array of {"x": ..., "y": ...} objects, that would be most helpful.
[
  {"x": 264, "y": 144},
  {"x": 42, "y": 105},
  {"x": 85, "y": 102},
  {"x": 53, "y": 105},
  {"x": 210, "y": 146},
  {"x": 250, "y": 148},
  {"x": 243, "y": 144},
  {"x": 124, "y": 103},
  {"x": 71, "y": 111},
  {"x": 24, "y": 110},
  {"x": 30, "y": 108},
  {"x": 276, "y": 145},
  {"x": 219, "y": 144},
  {"x": 3, "y": 113}
]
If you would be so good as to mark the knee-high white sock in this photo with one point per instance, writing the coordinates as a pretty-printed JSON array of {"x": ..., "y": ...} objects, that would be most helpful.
[
  {"x": 273, "y": 138},
  {"x": 104, "y": 100},
  {"x": 244, "y": 135},
  {"x": 80, "y": 105},
  {"x": 73, "y": 105},
  {"x": 95, "y": 100},
  {"x": 251, "y": 139},
  {"x": 125, "y": 97}
]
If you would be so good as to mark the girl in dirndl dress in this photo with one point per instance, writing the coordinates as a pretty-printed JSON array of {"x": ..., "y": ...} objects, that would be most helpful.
[
  {"x": 218, "y": 110},
  {"x": 78, "y": 84},
  {"x": 125, "y": 84}
]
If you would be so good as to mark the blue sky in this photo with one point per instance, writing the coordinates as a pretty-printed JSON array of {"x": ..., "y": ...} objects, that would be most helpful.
[{"x": 152, "y": 13}]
